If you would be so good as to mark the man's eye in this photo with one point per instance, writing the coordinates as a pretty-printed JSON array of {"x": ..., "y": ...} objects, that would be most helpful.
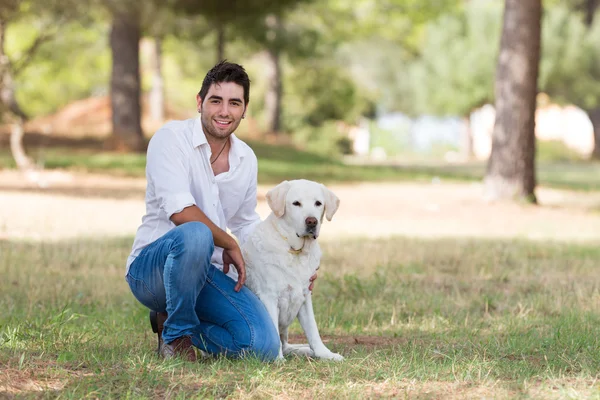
[
  {"x": 297, "y": 203},
  {"x": 318, "y": 204}
]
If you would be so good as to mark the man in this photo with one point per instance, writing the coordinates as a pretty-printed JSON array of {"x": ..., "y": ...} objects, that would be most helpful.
[{"x": 201, "y": 180}]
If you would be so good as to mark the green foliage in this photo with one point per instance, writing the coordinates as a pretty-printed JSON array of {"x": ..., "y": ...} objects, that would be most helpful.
[
  {"x": 555, "y": 151},
  {"x": 184, "y": 65},
  {"x": 454, "y": 73},
  {"x": 570, "y": 65},
  {"x": 456, "y": 67},
  {"x": 327, "y": 138},
  {"x": 75, "y": 64},
  {"x": 317, "y": 93}
]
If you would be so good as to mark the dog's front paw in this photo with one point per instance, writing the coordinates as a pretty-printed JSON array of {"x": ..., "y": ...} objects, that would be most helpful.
[{"x": 330, "y": 356}]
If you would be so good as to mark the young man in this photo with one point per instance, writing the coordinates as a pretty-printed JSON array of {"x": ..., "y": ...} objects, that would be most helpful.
[{"x": 201, "y": 180}]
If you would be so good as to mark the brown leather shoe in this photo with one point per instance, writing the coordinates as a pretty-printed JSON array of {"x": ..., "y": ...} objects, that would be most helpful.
[
  {"x": 181, "y": 347},
  {"x": 157, "y": 321}
]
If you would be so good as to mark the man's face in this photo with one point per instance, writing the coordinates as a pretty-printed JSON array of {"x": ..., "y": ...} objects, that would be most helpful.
[{"x": 222, "y": 109}]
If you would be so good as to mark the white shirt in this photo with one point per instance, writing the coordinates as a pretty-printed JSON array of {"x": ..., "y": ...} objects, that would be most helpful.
[{"x": 179, "y": 175}]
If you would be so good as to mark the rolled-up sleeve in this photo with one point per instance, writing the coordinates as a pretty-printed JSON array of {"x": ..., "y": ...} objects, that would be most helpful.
[
  {"x": 246, "y": 218},
  {"x": 167, "y": 170}
]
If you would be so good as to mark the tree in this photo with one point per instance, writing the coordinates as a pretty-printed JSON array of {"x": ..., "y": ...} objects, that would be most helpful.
[
  {"x": 453, "y": 74},
  {"x": 125, "y": 85},
  {"x": 594, "y": 112},
  {"x": 49, "y": 16},
  {"x": 511, "y": 167},
  {"x": 570, "y": 67}
]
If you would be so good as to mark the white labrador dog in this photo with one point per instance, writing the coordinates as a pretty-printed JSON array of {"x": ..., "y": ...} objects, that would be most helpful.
[{"x": 282, "y": 254}]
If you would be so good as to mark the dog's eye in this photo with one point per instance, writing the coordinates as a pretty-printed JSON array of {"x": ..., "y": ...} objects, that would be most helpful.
[
  {"x": 318, "y": 204},
  {"x": 297, "y": 203}
]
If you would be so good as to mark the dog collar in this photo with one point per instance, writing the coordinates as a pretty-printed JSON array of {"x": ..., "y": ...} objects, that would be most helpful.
[{"x": 291, "y": 250}]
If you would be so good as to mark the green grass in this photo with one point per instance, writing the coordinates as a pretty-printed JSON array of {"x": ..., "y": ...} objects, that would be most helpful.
[
  {"x": 276, "y": 163},
  {"x": 414, "y": 318}
]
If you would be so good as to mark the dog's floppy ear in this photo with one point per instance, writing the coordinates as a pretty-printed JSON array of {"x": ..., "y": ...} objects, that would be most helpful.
[
  {"x": 331, "y": 202},
  {"x": 276, "y": 198}
]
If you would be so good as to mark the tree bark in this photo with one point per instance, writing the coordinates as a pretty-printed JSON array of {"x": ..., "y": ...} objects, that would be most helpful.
[
  {"x": 511, "y": 166},
  {"x": 157, "y": 92},
  {"x": 275, "y": 85},
  {"x": 466, "y": 139},
  {"x": 220, "y": 42},
  {"x": 594, "y": 116},
  {"x": 125, "y": 82},
  {"x": 590, "y": 10},
  {"x": 274, "y": 92}
]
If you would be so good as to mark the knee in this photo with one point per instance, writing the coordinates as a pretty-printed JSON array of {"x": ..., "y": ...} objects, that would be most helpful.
[
  {"x": 195, "y": 239},
  {"x": 268, "y": 349},
  {"x": 265, "y": 346}
]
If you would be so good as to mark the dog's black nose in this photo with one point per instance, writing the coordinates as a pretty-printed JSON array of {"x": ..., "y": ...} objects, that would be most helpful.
[{"x": 311, "y": 222}]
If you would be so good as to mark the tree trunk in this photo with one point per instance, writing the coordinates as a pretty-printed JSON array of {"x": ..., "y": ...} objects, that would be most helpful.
[
  {"x": 17, "y": 150},
  {"x": 125, "y": 83},
  {"x": 220, "y": 42},
  {"x": 590, "y": 10},
  {"x": 594, "y": 116},
  {"x": 10, "y": 107},
  {"x": 274, "y": 91},
  {"x": 511, "y": 166},
  {"x": 466, "y": 139},
  {"x": 157, "y": 92}
]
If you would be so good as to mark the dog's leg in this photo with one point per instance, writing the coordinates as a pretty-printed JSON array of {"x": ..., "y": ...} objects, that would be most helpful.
[
  {"x": 271, "y": 307},
  {"x": 306, "y": 316},
  {"x": 302, "y": 350},
  {"x": 283, "y": 335}
]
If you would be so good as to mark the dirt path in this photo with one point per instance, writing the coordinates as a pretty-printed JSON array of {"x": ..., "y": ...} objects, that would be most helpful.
[{"x": 76, "y": 205}]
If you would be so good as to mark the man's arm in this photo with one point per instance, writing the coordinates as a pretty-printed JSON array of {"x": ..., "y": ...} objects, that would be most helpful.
[
  {"x": 231, "y": 250},
  {"x": 193, "y": 213}
]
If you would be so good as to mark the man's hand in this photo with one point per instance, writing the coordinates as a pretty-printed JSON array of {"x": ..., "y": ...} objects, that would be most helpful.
[
  {"x": 234, "y": 256},
  {"x": 312, "y": 282}
]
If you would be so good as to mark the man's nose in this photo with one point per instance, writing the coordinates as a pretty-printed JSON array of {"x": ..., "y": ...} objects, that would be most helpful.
[
  {"x": 311, "y": 222},
  {"x": 224, "y": 110}
]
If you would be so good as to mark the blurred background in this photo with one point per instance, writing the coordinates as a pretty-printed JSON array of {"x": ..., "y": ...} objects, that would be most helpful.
[{"x": 394, "y": 82}]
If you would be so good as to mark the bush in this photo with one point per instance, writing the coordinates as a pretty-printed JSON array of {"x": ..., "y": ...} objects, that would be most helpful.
[
  {"x": 326, "y": 139},
  {"x": 554, "y": 151}
]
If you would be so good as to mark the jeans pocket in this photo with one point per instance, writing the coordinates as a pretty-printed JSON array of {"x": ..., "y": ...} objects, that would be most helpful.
[{"x": 142, "y": 293}]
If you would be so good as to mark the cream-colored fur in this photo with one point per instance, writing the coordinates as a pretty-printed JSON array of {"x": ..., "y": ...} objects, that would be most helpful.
[{"x": 282, "y": 254}]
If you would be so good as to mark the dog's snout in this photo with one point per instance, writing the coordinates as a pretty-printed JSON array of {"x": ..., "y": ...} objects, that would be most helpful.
[{"x": 311, "y": 222}]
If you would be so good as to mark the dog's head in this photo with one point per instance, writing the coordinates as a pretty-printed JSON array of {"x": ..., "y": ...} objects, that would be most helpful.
[{"x": 301, "y": 204}]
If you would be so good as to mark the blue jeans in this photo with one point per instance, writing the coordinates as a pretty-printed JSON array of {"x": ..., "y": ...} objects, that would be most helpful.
[{"x": 174, "y": 274}]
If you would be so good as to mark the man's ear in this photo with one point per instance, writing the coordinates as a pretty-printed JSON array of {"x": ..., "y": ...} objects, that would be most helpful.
[
  {"x": 276, "y": 198},
  {"x": 199, "y": 102},
  {"x": 331, "y": 202}
]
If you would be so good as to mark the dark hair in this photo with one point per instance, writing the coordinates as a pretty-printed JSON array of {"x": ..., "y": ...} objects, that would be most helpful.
[{"x": 226, "y": 72}]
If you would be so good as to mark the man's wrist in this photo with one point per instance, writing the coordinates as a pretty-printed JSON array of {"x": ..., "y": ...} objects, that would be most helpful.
[{"x": 230, "y": 243}]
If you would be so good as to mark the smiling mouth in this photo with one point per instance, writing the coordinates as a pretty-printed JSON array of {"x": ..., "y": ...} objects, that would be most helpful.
[{"x": 222, "y": 124}]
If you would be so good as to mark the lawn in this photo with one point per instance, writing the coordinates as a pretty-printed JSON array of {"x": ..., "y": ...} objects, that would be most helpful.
[
  {"x": 277, "y": 163},
  {"x": 414, "y": 318}
]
